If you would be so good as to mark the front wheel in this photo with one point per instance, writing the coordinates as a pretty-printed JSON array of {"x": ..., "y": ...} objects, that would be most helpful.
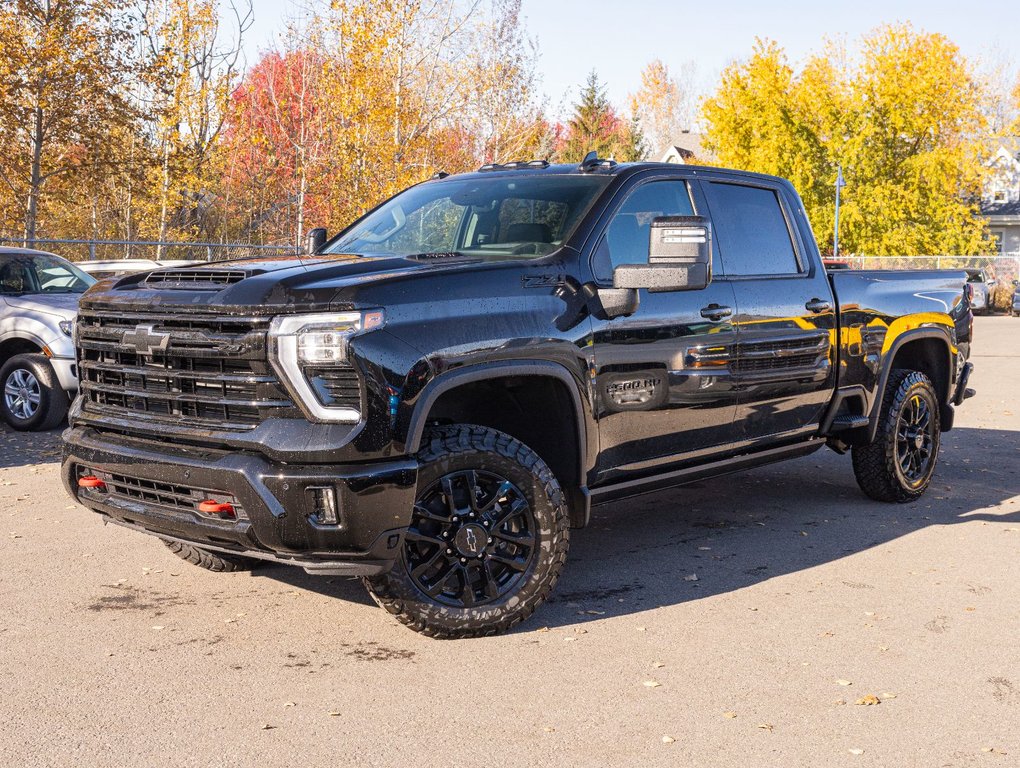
[
  {"x": 899, "y": 464},
  {"x": 488, "y": 537},
  {"x": 32, "y": 399}
]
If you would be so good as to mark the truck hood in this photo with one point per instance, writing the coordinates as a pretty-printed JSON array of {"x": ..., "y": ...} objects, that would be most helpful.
[
  {"x": 264, "y": 286},
  {"x": 62, "y": 305}
]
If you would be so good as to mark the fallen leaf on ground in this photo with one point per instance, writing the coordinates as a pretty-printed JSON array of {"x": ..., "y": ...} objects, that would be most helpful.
[
  {"x": 868, "y": 701},
  {"x": 333, "y": 713},
  {"x": 856, "y": 751},
  {"x": 766, "y": 727},
  {"x": 691, "y": 577},
  {"x": 668, "y": 740},
  {"x": 843, "y": 682},
  {"x": 289, "y": 704},
  {"x": 729, "y": 715},
  {"x": 652, "y": 684}
]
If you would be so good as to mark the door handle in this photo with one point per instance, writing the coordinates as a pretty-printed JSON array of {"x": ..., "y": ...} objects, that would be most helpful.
[
  {"x": 818, "y": 306},
  {"x": 715, "y": 312}
]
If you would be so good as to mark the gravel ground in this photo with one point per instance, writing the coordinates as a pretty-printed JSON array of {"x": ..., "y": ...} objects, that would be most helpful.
[{"x": 739, "y": 622}]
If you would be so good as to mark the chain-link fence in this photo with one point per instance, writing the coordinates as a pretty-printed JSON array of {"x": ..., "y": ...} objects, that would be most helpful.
[{"x": 92, "y": 250}]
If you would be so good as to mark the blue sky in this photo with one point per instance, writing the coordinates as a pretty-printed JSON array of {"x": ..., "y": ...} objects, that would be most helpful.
[{"x": 618, "y": 38}]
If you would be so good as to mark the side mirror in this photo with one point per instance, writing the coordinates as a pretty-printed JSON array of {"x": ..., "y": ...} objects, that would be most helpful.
[
  {"x": 316, "y": 239},
  {"x": 679, "y": 257}
]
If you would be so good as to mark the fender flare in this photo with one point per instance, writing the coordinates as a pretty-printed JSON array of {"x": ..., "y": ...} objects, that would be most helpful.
[
  {"x": 503, "y": 369},
  {"x": 496, "y": 370},
  {"x": 916, "y": 334}
]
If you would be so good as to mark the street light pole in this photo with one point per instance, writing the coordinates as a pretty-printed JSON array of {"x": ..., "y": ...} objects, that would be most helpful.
[{"x": 840, "y": 183}]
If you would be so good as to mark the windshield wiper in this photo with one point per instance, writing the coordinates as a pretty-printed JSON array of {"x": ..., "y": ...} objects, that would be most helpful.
[{"x": 432, "y": 255}]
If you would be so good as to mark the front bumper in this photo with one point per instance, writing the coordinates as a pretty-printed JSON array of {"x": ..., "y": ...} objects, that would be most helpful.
[
  {"x": 374, "y": 501},
  {"x": 67, "y": 373}
]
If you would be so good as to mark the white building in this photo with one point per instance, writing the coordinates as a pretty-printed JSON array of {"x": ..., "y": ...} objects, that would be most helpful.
[{"x": 1000, "y": 202}]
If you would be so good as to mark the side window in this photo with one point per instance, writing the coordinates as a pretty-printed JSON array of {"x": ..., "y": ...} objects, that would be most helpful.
[
  {"x": 751, "y": 230},
  {"x": 626, "y": 238}
]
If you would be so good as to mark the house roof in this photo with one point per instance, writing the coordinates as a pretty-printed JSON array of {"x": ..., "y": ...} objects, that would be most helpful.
[
  {"x": 686, "y": 146},
  {"x": 1001, "y": 209}
]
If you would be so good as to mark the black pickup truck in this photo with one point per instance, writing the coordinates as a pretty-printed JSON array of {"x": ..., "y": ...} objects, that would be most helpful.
[{"x": 434, "y": 397}]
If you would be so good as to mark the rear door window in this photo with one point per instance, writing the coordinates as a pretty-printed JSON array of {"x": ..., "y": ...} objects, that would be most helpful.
[{"x": 751, "y": 230}]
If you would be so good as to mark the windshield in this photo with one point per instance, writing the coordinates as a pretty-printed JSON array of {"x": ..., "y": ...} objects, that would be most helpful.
[
  {"x": 26, "y": 273},
  {"x": 517, "y": 217}
]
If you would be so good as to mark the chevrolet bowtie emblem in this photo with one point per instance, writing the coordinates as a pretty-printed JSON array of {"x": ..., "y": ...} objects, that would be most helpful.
[{"x": 145, "y": 340}]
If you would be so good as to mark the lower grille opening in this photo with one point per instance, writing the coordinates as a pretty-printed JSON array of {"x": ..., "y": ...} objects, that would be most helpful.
[{"x": 166, "y": 496}]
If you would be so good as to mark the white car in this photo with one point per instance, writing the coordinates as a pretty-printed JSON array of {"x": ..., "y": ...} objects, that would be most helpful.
[
  {"x": 117, "y": 267},
  {"x": 39, "y": 295},
  {"x": 983, "y": 286}
]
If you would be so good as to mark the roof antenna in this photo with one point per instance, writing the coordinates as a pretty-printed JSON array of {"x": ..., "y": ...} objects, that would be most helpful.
[{"x": 592, "y": 162}]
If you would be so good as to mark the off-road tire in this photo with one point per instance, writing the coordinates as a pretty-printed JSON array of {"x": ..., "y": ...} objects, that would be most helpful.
[
  {"x": 218, "y": 562},
  {"x": 876, "y": 466},
  {"x": 53, "y": 400},
  {"x": 460, "y": 447}
]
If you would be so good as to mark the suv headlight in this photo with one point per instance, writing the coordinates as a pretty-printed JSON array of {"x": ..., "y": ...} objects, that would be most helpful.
[{"x": 301, "y": 346}]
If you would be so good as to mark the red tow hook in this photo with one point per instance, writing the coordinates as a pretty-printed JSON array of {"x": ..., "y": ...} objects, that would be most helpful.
[
  {"x": 211, "y": 507},
  {"x": 91, "y": 481}
]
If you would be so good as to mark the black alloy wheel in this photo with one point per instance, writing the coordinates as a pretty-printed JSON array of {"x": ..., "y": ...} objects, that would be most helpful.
[
  {"x": 487, "y": 538},
  {"x": 472, "y": 537},
  {"x": 915, "y": 440},
  {"x": 899, "y": 464}
]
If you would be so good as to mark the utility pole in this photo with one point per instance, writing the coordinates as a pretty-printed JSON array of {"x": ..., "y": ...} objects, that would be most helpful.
[{"x": 840, "y": 183}]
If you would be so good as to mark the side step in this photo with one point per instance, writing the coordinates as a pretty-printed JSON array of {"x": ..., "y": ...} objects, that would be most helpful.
[{"x": 848, "y": 421}]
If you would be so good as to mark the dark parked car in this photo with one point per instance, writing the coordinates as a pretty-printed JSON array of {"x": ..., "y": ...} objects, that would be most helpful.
[{"x": 436, "y": 396}]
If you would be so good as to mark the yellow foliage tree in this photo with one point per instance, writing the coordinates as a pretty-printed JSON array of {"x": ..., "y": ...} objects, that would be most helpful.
[
  {"x": 904, "y": 122},
  {"x": 65, "y": 73}
]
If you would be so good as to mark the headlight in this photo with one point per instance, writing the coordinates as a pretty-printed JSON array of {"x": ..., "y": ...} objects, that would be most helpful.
[
  {"x": 301, "y": 345},
  {"x": 66, "y": 327}
]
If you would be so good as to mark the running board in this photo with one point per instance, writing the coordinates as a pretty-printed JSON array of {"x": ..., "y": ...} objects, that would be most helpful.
[{"x": 629, "y": 488}]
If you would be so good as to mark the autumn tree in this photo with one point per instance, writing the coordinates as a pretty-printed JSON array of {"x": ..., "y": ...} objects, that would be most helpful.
[
  {"x": 903, "y": 120},
  {"x": 194, "y": 64},
  {"x": 595, "y": 126},
  {"x": 65, "y": 77},
  {"x": 663, "y": 105}
]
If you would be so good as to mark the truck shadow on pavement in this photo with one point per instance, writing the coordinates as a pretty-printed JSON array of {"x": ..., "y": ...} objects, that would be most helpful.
[
  {"x": 740, "y": 530},
  {"x": 20, "y": 449}
]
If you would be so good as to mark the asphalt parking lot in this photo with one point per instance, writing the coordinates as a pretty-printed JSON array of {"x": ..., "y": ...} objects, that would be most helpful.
[{"x": 737, "y": 622}]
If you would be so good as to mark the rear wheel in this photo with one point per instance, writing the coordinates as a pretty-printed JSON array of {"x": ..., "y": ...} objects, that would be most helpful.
[
  {"x": 488, "y": 537},
  {"x": 220, "y": 562},
  {"x": 899, "y": 464},
  {"x": 32, "y": 399}
]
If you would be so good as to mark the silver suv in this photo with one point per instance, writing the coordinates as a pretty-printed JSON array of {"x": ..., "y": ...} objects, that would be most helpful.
[{"x": 39, "y": 295}]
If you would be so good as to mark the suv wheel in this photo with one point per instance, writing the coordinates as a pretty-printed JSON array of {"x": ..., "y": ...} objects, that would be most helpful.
[
  {"x": 899, "y": 464},
  {"x": 32, "y": 397},
  {"x": 488, "y": 537}
]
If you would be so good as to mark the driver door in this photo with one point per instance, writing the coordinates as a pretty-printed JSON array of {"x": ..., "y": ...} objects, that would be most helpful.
[{"x": 663, "y": 391}]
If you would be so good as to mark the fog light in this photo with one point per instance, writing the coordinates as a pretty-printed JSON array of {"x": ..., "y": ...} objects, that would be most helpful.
[
  {"x": 92, "y": 482},
  {"x": 212, "y": 507},
  {"x": 324, "y": 510}
]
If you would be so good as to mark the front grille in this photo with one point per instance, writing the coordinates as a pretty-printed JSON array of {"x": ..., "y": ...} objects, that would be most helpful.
[
  {"x": 167, "y": 496},
  {"x": 194, "y": 279},
  {"x": 205, "y": 371}
]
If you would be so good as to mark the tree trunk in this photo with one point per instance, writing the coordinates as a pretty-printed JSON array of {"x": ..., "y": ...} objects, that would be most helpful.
[{"x": 35, "y": 183}]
